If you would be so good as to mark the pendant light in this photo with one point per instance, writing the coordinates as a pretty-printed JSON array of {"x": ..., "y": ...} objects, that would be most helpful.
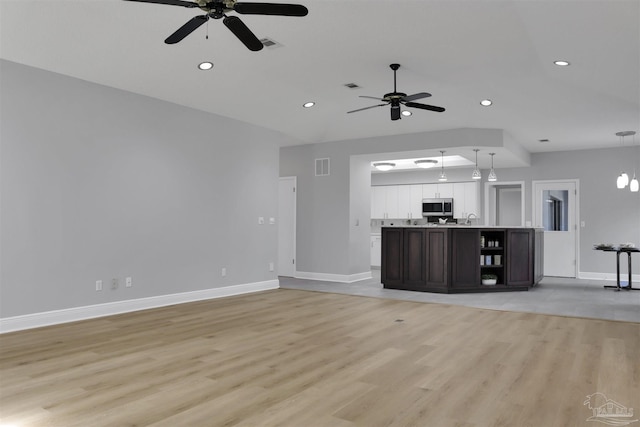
[
  {"x": 634, "y": 185},
  {"x": 443, "y": 176},
  {"x": 476, "y": 172},
  {"x": 492, "y": 173},
  {"x": 623, "y": 179}
]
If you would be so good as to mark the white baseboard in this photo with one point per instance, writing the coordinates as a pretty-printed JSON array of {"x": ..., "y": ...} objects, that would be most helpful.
[
  {"x": 327, "y": 277},
  {"x": 36, "y": 320},
  {"x": 635, "y": 278}
]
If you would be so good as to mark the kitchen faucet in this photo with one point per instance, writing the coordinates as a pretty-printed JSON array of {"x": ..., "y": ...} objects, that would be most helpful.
[{"x": 468, "y": 221}]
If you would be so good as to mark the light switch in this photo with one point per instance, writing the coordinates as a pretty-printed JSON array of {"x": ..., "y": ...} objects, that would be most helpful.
[
  {"x": 272, "y": 220},
  {"x": 582, "y": 224}
]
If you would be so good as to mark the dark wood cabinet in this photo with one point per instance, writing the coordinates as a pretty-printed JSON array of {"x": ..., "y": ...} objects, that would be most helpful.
[
  {"x": 414, "y": 257},
  {"x": 453, "y": 259},
  {"x": 465, "y": 258},
  {"x": 392, "y": 257},
  {"x": 519, "y": 257},
  {"x": 437, "y": 258}
]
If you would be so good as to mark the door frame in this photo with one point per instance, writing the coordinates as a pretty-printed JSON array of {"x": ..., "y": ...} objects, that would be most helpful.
[
  {"x": 490, "y": 196},
  {"x": 294, "y": 220},
  {"x": 576, "y": 213}
]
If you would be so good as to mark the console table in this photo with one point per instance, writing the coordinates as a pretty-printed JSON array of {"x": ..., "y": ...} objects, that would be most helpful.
[{"x": 618, "y": 251}]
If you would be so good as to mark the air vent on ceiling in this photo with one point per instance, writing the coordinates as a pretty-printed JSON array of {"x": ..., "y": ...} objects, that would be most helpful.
[
  {"x": 322, "y": 167},
  {"x": 270, "y": 43},
  {"x": 352, "y": 85}
]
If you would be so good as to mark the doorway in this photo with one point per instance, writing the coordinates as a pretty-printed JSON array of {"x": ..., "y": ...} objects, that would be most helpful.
[
  {"x": 287, "y": 226},
  {"x": 504, "y": 203},
  {"x": 555, "y": 210}
]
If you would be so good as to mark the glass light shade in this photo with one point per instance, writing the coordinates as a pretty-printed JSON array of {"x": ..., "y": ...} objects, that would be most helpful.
[
  {"x": 476, "y": 174},
  {"x": 426, "y": 163},
  {"x": 625, "y": 179},
  {"x": 634, "y": 185},
  {"x": 384, "y": 166},
  {"x": 620, "y": 182},
  {"x": 442, "y": 177},
  {"x": 492, "y": 176}
]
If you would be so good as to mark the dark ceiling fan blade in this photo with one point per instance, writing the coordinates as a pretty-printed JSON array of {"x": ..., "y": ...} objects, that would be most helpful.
[
  {"x": 243, "y": 33},
  {"x": 169, "y": 2},
  {"x": 371, "y": 97},
  {"x": 366, "y": 108},
  {"x": 424, "y": 106},
  {"x": 186, "y": 29},
  {"x": 395, "y": 112},
  {"x": 250, "y": 8},
  {"x": 416, "y": 96}
]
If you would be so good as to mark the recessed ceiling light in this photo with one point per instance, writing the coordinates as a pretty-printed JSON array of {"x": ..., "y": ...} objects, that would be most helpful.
[
  {"x": 486, "y": 102},
  {"x": 205, "y": 65},
  {"x": 561, "y": 63},
  {"x": 308, "y": 104},
  {"x": 406, "y": 113}
]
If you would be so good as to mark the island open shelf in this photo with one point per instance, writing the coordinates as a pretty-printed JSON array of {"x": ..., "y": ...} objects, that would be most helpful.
[{"x": 455, "y": 259}]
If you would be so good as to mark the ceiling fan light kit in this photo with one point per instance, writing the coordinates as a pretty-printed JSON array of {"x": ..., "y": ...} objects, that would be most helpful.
[
  {"x": 218, "y": 9},
  {"x": 396, "y": 99}
]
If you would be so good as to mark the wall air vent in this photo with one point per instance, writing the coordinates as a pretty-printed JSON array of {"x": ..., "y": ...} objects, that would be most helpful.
[
  {"x": 270, "y": 43},
  {"x": 322, "y": 167},
  {"x": 352, "y": 85}
]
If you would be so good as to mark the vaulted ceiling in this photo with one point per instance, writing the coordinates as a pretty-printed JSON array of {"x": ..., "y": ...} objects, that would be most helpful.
[{"x": 459, "y": 51}]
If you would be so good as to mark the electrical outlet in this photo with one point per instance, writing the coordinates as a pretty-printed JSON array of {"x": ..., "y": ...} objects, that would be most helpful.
[
  {"x": 114, "y": 283},
  {"x": 260, "y": 220},
  {"x": 128, "y": 282},
  {"x": 223, "y": 273},
  {"x": 98, "y": 285},
  {"x": 271, "y": 266}
]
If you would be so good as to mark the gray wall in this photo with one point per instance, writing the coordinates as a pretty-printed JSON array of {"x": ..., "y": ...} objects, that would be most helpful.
[
  {"x": 610, "y": 215},
  {"x": 329, "y": 207},
  {"x": 98, "y": 183}
]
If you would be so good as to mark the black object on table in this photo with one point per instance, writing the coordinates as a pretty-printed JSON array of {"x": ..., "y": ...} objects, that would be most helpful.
[{"x": 618, "y": 250}]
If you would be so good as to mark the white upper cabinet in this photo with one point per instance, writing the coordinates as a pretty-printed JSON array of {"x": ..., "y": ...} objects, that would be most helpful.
[
  {"x": 405, "y": 201},
  {"x": 384, "y": 202},
  {"x": 410, "y": 201},
  {"x": 465, "y": 199},
  {"x": 437, "y": 191}
]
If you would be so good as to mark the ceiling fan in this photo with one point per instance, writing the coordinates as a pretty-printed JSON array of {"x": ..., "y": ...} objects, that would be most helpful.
[
  {"x": 217, "y": 9},
  {"x": 395, "y": 99}
]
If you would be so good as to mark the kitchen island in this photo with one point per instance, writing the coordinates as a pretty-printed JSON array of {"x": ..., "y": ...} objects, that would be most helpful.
[{"x": 450, "y": 259}]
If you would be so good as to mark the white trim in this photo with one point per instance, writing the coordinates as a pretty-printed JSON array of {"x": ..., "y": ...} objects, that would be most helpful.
[
  {"x": 47, "y": 318},
  {"x": 327, "y": 277},
  {"x": 294, "y": 216},
  {"x": 590, "y": 275}
]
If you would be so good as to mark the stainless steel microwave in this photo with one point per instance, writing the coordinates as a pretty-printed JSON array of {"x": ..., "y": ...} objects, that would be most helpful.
[{"x": 437, "y": 207}]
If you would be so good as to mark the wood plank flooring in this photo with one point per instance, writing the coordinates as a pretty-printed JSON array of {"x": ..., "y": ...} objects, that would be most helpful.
[{"x": 300, "y": 358}]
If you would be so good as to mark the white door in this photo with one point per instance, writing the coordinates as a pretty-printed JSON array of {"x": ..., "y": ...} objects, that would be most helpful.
[
  {"x": 555, "y": 211},
  {"x": 287, "y": 226}
]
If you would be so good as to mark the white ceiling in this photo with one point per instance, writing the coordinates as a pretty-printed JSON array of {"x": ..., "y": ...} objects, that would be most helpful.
[{"x": 459, "y": 51}]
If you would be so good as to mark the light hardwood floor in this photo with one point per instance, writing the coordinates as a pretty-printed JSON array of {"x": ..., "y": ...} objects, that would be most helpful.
[{"x": 300, "y": 358}]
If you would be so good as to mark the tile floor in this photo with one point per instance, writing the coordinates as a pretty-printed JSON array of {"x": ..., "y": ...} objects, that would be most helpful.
[{"x": 553, "y": 295}]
